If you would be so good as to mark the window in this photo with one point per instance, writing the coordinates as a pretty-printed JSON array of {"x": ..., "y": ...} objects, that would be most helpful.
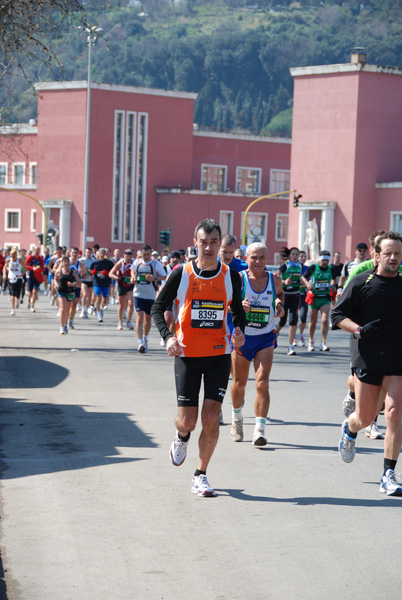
[
  {"x": 19, "y": 174},
  {"x": 142, "y": 145},
  {"x": 281, "y": 231},
  {"x": 278, "y": 260},
  {"x": 130, "y": 178},
  {"x": 226, "y": 221},
  {"x": 3, "y": 173},
  {"x": 396, "y": 222},
  {"x": 279, "y": 181},
  {"x": 33, "y": 219},
  {"x": 13, "y": 219},
  {"x": 213, "y": 178},
  {"x": 118, "y": 164},
  {"x": 33, "y": 171},
  {"x": 256, "y": 227},
  {"x": 248, "y": 181}
]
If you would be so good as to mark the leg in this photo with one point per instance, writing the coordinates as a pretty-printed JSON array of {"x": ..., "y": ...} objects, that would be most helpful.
[
  {"x": 209, "y": 433},
  {"x": 313, "y": 322},
  {"x": 240, "y": 370},
  {"x": 262, "y": 366},
  {"x": 325, "y": 321},
  {"x": 367, "y": 404},
  {"x": 139, "y": 324},
  {"x": 147, "y": 324},
  {"x": 393, "y": 416}
]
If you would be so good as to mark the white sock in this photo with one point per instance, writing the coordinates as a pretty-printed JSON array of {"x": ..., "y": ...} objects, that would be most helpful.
[
  {"x": 236, "y": 414},
  {"x": 260, "y": 423}
]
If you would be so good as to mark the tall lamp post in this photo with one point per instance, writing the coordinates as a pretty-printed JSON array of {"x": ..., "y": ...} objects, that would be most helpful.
[{"x": 92, "y": 37}]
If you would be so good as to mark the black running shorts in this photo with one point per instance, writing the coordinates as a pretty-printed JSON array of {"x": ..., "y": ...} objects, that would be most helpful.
[
  {"x": 374, "y": 377},
  {"x": 189, "y": 372}
]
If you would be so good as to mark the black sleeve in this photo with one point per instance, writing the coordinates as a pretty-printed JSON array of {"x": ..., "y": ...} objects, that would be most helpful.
[
  {"x": 309, "y": 271},
  {"x": 165, "y": 298},
  {"x": 344, "y": 308},
  {"x": 283, "y": 268},
  {"x": 333, "y": 272},
  {"x": 238, "y": 314}
]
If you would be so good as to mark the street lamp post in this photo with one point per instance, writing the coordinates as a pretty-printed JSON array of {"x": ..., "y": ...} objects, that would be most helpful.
[{"x": 92, "y": 37}]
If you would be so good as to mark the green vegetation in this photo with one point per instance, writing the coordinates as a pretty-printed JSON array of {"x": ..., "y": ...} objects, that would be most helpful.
[{"x": 235, "y": 55}]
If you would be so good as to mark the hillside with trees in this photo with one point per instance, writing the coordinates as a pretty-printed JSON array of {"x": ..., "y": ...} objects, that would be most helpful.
[{"x": 235, "y": 56}]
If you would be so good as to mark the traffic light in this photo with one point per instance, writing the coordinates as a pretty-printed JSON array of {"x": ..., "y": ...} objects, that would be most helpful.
[
  {"x": 48, "y": 239},
  {"x": 296, "y": 199},
  {"x": 164, "y": 237},
  {"x": 40, "y": 236}
]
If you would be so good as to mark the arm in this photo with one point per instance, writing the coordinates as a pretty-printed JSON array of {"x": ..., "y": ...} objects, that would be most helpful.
[
  {"x": 305, "y": 278},
  {"x": 280, "y": 311},
  {"x": 165, "y": 298},
  {"x": 115, "y": 270}
]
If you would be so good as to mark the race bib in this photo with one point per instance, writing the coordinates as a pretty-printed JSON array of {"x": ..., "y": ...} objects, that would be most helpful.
[
  {"x": 322, "y": 285},
  {"x": 207, "y": 314},
  {"x": 141, "y": 278},
  {"x": 258, "y": 317},
  {"x": 70, "y": 296}
]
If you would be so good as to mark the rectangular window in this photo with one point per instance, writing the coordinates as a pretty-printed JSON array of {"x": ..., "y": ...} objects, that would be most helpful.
[
  {"x": 33, "y": 219},
  {"x": 226, "y": 221},
  {"x": 256, "y": 227},
  {"x": 3, "y": 173},
  {"x": 130, "y": 178},
  {"x": 279, "y": 181},
  {"x": 19, "y": 173},
  {"x": 33, "y": 172},
  {"x": 213, "y": 178},
  {"x": 281, "y": 230},
  {"x": 396, "y": 222},
  {"x": 248, "y": 181},
  {"x": 118, "y": 174},
  {"x": 142, "y": 145},
  {"x": 13, "y": 219}
]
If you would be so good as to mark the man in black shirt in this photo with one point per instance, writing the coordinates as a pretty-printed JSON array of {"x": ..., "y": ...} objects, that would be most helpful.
[{"x": 370, "y": 309}]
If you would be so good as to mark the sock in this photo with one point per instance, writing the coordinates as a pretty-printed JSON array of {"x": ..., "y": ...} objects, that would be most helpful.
[
  {"x": 350, "y": 434},
  {"x": 260, "y": 423},
  {"x": 198, "y": 472},
  {"x": 236, "y": 414},
  {"x": 324, "y": 341},
  {"x": 184, "y": 438},
  {"x": 389, "y": 464}
]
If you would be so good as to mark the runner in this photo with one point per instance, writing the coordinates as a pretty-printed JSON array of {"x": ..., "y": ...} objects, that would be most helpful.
[
  {"x": 202, "y": 290},
  {"x": 77, "y": 265},
  {"x": 320, "y": 287},
  {"x": 370, "y": 309},
  {"x": 290, "y": 273},
  {"x": 100, "y": 272},
  {"x": 361, "y": 255},
  {"x": 52, "y": 265},
  {"x": 303, "y": 306},
  {"x": 86, "y": 283},
  {"x": 12, "y": 270},
  {"x": 67, "y": 281},
  {"x": 145, "y": 272},
  {"x": 262, "y": 296},
  {"x": 121, "y": 273},
  {"x": 35, "y": 266}
]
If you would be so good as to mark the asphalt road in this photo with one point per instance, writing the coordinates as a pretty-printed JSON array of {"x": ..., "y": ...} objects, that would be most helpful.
[{"x": 92, "y": 509}]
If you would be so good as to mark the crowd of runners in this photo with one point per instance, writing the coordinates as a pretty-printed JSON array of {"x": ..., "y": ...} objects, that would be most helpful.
[{"x": 215, "y": 306}]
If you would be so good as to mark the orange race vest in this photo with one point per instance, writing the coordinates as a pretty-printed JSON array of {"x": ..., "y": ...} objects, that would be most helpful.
[{"x": 202, "y": 306}]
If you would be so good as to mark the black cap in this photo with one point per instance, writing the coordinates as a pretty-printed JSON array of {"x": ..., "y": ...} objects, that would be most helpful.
[
  {"x": 362, "y": 246},
  {"x": 174, "y": 254}
]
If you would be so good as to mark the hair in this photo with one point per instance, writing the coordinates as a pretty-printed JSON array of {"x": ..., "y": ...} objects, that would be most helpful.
[
  {"x": 303, "y": 252},
  {"x": 375, "y": 235},
  {"x": 337, "y": 252},
  {"x": 146, "y": 247},
  {"x": 284, "y": 251},
  {"x": 208, "y": 225},
  {"x": 74, "y": 248},
  {"x": 388, "y": 235},
  {"x": 293, "y": 248},
  {"x": 96, "y": 247},
  {"x": 255, "y": 246},
  {"x": 325, "y": 253},
  {"x": 228, "y": 240}
]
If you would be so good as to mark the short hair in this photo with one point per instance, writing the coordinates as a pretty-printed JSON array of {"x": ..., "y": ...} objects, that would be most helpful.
[
  {"x": 375, "y": 235},
  {"x": 208, "y": 225},
  {"x": 74, "y": 248},
  {"x": 325, "y": 253},
  {"x": 255, "y": 246},
  {"x": 96, "y": 246},
  {"x": 228, "y": 240},
  {"x": 146, "y": 247},
  {"x": 388, "y": 235}
]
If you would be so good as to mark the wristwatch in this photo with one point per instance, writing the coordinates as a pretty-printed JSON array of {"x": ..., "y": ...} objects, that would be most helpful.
[{"x": 358, "y": 333}]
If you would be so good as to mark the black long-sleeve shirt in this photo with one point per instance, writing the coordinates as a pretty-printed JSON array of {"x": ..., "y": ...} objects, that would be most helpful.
[
  {"x": 169, "y": 293},
  {"x": 368, "y": 297}
]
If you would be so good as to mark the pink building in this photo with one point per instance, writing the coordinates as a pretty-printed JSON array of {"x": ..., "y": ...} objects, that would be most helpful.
[
  {"x": 150, "y": 169},
  {"x": 347, "y": 127}
]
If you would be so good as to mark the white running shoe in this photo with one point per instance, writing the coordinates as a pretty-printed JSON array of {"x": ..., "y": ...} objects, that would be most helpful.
[
  {"x": 178, "y": 450},
  {"x": 119, "y": 326},
  {"x": 62, "y": 332},
  {"x": 373, "y": 432},
  {"x": 33, "y": 309},
  {"x": 100, "y": 317},
  {"x": 389, "y": 484},
  {"x": 82, "y": 314},
  {"x": 300, "y": 342},
  {"x": 237, "y": 431},
  {"x": 91, "y": 310},
  {"x": 145, "y": 344},
  {"x": 324, "y": 347},
  {"x": 129, "y": 325},
  {"x": 141, "y": 348},
  {"x": 347, "y": 445},
  {"x": 311, "y": 347},
  {"x": 291, "y": 351},
  {"x": 112, "y": 301},
  {"x": 348, "y": 405},
  {"x": 259, "y": 438},
  {"x": 201, "y": 487},
  {"x": 162, "y": 343},
  {"x": 12, "y": 313}
]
